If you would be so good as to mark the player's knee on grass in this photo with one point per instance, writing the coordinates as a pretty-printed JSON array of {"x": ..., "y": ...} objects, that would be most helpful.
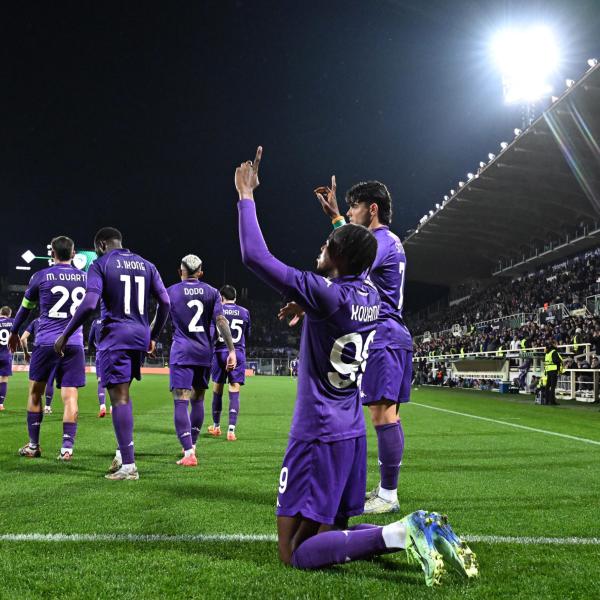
[{"x": 383, "y": 412}]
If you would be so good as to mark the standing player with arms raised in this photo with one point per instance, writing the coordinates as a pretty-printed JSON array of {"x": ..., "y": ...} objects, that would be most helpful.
[
  {"x": 323, "y": 478},
  {"x": 93, "y": 341},
  {"x": 195, "y": 305},
  {"x": 6, "y": 324},
  {"x": 388, "y": 374},
  {"x": 59, "y": 290},
  {"x": 238, "y": 318},
  {"x": 124, "y": 281},
  {"x": 31, "y": 330}
]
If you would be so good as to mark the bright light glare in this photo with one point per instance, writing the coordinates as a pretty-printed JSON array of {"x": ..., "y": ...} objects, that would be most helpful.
[{"x": 526, "y": 58}]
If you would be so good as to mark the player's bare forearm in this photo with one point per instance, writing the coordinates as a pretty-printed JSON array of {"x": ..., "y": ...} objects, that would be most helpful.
[{"x": 225, "y": 332}]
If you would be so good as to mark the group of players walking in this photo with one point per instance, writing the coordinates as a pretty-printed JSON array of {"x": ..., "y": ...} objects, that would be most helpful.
[
  {"x": 355, "y": 350},
  {"x": 66, "y": 297}
]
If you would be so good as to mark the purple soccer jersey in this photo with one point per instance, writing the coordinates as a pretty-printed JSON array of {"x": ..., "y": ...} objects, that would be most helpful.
[
  {"x": 59, "y": 290},
  {"x": 6, "y": 324},
  {"x": 194, "y": 306},
  {"x": 341, "y": 315},
  {"x": 239, "y": 323},
  {"x": 124, "y": 281},
  {"x": 94, "y": 335}
]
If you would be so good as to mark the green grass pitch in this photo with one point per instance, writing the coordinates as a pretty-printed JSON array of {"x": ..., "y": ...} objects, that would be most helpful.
[{"x": 492, "y": 479}]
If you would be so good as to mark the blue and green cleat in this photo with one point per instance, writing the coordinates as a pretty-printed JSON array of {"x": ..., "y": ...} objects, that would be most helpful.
[
  {"x": 454, "y": 550},
  {"x": 420, "y": 548}
]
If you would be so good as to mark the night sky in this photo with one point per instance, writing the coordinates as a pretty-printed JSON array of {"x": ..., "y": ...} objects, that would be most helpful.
[{"x": 136, "y": 114}]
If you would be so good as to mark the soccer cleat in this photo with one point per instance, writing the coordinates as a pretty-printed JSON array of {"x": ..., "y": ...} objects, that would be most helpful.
[
  {"x": 102, "y": 412},
  {"x": 29, "y": 451},
  {"x": 123, "y": 474},
  {"x": 115, "y": 465},
  {"x": 379, "y": 506},
  {"x": 453, "y": 549},
  {"x": 65, "y": 455},
  {"x": 214, "y": 430},
  {"x": 47, "y": 410},
  {"x": 188, "y": 461},
  {"x": 420, "y": 548},
  {"x": 373, "y": 493},
  {"x": 231, "y": 436}
]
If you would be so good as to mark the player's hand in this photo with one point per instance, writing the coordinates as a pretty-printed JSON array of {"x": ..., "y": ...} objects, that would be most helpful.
[
  {"x": 231, "y": 361},
  {"x": 291, "y": 309},
  {"x": 151, "y": 349},
  {"x": 26, "y": 355},
  {"x": 246, "y": 176},
  {"x": 327, "y": 198},
  {"x": 14, "y": 341},
  {"x": 59, "y": 345}
]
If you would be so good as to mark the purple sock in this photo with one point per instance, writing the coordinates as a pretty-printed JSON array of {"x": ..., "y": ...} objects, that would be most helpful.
[
  {"x": 122, "y": 418},
  {"x": 390, "y": 443},
  {"x": 196, "y": 418},
  {"x": 217, "y": 407},
  {"x": 101, "y": 393},
  {"x": 338, "y": 547},
  {"x": 49, "y": 392},
  {"x": 3, "y": 387},
  {"x": 183, "y": 427},
  {"x": 69, "y": 433},
  {"x": 234, "y": 407},
  {"x": 34, "y": 422}
]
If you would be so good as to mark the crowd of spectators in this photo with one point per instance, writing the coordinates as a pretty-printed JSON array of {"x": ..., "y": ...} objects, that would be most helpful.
[{"x": 569, "y": 282}]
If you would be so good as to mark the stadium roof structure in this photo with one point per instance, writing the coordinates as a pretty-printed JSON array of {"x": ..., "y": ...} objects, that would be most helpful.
[{"x": 535, "y": 202}]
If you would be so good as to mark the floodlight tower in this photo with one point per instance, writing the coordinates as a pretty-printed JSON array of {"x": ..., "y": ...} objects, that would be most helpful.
[{"x": 527, "y": 58}]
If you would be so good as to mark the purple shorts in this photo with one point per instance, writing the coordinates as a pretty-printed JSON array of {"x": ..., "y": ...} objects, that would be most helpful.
[
  {"x": 119, "y": 366},
  {"x": 98, "y": 366},
  {"x": 67, "y": 370},
  {"x": 322, "y": 481},
  {"x": 219, "y": 373},
  {"x": 387, "y": 376},
  {"x": 187, "y": 377},
  {"x": 6, "y": 366}
]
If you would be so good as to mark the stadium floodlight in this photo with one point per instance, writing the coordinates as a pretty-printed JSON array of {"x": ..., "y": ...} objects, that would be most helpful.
[
  {"x": 527, "y": 58},
  {"x": 504, "y": 145},
  {"x": 491, "y": 156},
  {"x": 554, "y": 99},
  {"x": 28, "y": 256},
  {"x": 452, "y": 192},
  {"x": 592, "y": 62},
  {"x": 431, "y": 213},
  {"x": 461, "y": 184},
  {"x": 446, "y": 198},
  {"x": 437, "y": 206},
  {"x": 570, "y": 82},
  {"x": 470, "y": 176},
  {"x": 481, "y": 164},
  {"x": 518, "y": 132}
]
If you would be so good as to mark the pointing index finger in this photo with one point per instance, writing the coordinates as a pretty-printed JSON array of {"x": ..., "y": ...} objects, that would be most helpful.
[{"x": 257, "y": 158}]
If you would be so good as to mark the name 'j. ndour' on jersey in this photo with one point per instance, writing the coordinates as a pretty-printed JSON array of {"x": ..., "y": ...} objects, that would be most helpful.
[
  {"x": 194, "y": 307},
  {"x": 124, "y": 281},
  {"x": 238, "y": 318},
  {"x": 388, "y": 274},
  {"x": 339, "y": 326},
  {"x": 58, "y": 290}
]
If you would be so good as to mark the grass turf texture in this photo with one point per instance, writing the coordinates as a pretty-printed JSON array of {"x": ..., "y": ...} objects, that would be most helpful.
[{"x": 490, "y": 478}]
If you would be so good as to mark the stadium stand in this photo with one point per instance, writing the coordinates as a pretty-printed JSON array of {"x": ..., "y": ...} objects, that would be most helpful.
[{"x": 517, "y": 246}]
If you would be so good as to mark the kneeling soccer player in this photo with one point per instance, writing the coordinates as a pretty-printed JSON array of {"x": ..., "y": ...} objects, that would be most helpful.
[
  {"x": 194, "y": 306},
  {"x": 238, "y": 318},
  {"x": 323, "y": 479}
]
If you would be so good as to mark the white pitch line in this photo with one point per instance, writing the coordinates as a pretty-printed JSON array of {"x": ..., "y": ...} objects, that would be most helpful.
[
  {"x": 225, "y": 537},
  {"x": 534, "y": 429}
]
